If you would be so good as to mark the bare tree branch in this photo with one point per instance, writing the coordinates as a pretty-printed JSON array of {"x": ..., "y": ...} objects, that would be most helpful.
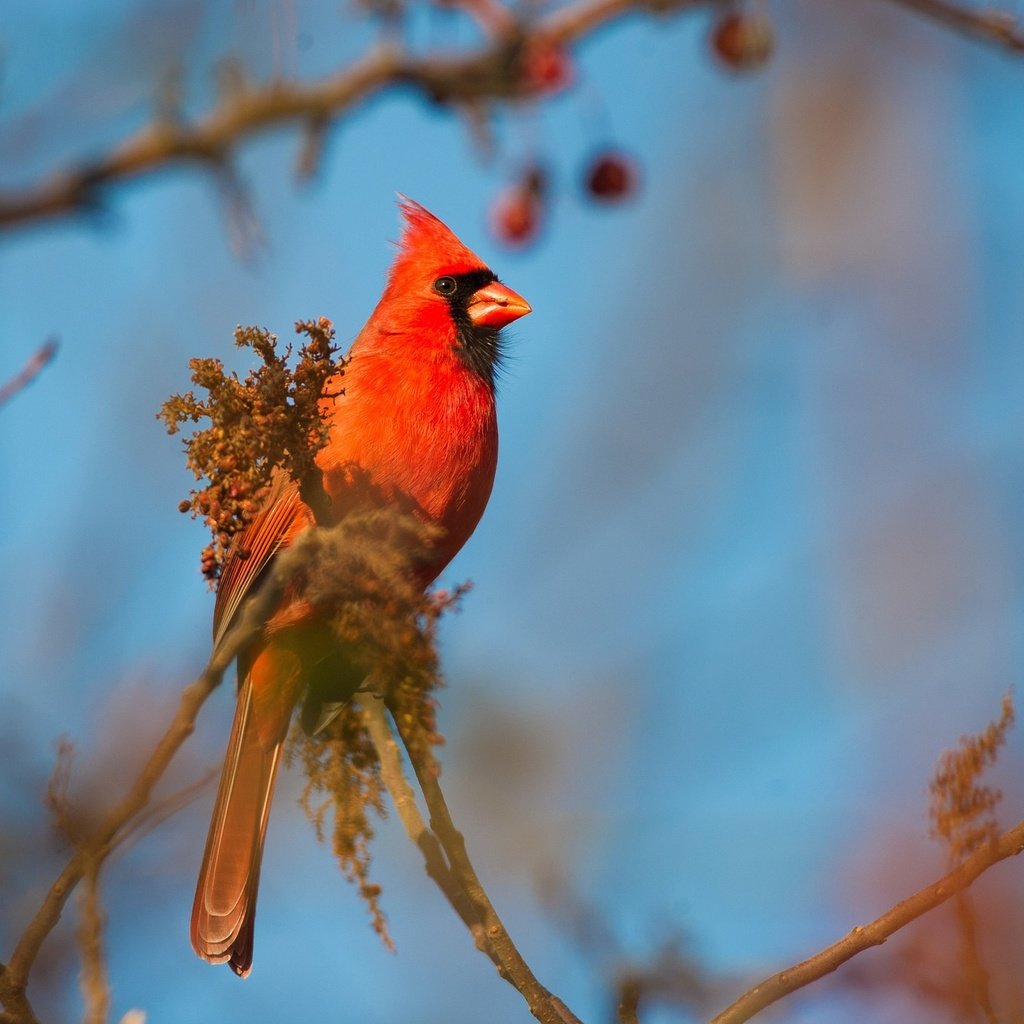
[
  {"x": 977, "y": 975},
  {"x": 986, "y": 24},
  {"x": 14, "y": 975},
  {"x": 95, "y": 988},
  {"x": 28, "y": 373},
  {"x": 489, "y": 73},
  {"x": 774, "y": 988},
  {"x": 492, "y": 72},
  {"x": 544, "y": 1005},
  {"x": 416, "y": 829}
]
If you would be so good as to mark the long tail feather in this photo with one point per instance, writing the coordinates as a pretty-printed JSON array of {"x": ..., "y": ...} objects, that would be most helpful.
[{"x": 224, "y": 912}]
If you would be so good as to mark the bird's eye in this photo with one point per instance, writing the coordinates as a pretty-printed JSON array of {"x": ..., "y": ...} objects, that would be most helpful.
[{"x": 446, "y": 286}]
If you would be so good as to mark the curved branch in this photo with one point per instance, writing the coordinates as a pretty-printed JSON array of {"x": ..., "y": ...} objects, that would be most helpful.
[
  {"x": 772, "y": 989},
  {"x": 14, "y": 975},
  {"x": 490, "y": 72}
]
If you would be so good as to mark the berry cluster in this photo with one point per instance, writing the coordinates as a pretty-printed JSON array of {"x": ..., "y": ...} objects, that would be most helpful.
[{"x": 741, "y": 39}]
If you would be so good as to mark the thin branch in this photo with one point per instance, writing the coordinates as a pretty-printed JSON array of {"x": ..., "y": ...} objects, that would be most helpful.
[
  {"x": 774, "y": 988},
  {"x": 628, "y": 1004},
  {"x": 977, "y": 975},
  {"x": 28, "y": 373},
  {"x": 14, "y": 975},
  {"x": 416, "y": 829},
  {"x": 491, "y": 72},
  {"x": 159, "y": 811},
  {"x": 95, "y": 987},
  {"x": 988, "y": 25},
  {"x": 545, "y": 1006}
]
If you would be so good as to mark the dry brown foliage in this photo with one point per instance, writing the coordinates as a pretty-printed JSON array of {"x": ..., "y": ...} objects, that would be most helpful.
[
  {"x": 962, "y": 811},
  {"x": 269, "y": 421}
]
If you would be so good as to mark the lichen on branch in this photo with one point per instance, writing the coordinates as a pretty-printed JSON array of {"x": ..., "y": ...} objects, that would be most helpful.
[{"x": 270, "y": 420}]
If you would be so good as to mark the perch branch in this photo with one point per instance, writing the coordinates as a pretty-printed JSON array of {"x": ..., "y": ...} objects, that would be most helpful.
[
  {"x": 545, "y": 1006},
  {"x": 412, "y": 821}
]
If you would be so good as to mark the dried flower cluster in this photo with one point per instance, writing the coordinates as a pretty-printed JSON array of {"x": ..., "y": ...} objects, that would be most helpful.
[
  {"x": 962, "y": 811},
  {"x": 270, "y": 420},
  {"x": 360, "y": 576},
  {"x": 343, "y": 775}
]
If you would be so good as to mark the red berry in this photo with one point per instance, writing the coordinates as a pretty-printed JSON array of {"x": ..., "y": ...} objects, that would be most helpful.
[
  {"x": 611, "y": 177},
  {"x": 546, "y": 68},
  {"x": 743, "y": 41},
  {"x": 515, "y": 215}
]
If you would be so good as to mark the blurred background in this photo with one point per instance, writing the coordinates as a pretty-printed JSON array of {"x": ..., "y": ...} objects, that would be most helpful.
[{"x": 752, "y": 561}]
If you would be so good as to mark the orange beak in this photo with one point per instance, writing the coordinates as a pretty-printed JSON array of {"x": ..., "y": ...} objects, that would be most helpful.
[{"x": 494, "y": 305}]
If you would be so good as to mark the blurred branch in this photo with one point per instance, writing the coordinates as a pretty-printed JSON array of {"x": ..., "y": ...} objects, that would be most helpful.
[
  {"x": 545, "y": 1006},
  {"x": 92, "y": 851},
  {"x": 492, "y": 72},
  {"x": 774, "y": 988},
  {"x": 28, "y": 373},
  {"x": 95, "y": 989},
  {"x": 669, "y": 975},
  {"x": 154, "y": 815},
  {"x": 988, "y": 25},
  {"x": 977, "y": 975}
]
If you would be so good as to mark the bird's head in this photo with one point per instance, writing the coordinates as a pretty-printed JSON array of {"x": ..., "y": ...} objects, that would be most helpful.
[{"x": 442, "y": 292}]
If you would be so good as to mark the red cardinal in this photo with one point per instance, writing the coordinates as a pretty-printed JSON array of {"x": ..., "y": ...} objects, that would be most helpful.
[{"x": 416, "y": 419}]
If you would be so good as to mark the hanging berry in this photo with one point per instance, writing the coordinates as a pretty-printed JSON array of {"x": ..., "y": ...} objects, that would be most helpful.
[
  {"x": 517, "y": 213},
  {"x": 743, "y": 40},
  {"x": 611, "y": 176}
]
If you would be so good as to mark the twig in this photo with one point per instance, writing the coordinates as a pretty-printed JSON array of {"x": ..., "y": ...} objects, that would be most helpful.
[
  {"x": 774, "y": 988},
  {"x": 977, "y": 976},
  {"x": 14, "y": 975},
  {"x": 95, "y": 988},
  {"x": 416, "y": 829},
  {"x": 490, "y": 72},
  {"x": 158, "y": 812},
  {"x": 28, "y": 373},
  {"x": 545, "y": 1006},
  {"x": 988, "y": 25},
  {"x": 628, "y": 1003}
]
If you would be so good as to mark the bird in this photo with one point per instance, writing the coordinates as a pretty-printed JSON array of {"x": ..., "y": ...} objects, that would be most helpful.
[{"x": 415, "y": 417}]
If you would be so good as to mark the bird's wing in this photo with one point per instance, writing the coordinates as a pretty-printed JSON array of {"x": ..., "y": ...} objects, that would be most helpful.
[{"x": 282, "y": 516}]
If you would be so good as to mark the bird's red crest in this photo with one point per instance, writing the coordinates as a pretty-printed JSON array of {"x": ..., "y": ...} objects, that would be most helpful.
[{"x": 426, "y": 238}]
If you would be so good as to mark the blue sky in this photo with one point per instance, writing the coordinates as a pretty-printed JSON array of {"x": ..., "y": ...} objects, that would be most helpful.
[{"x": 752, "y": 558}]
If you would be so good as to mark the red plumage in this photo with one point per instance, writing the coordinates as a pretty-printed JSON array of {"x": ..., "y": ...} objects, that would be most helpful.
[{"x": 415, "y": 416}]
